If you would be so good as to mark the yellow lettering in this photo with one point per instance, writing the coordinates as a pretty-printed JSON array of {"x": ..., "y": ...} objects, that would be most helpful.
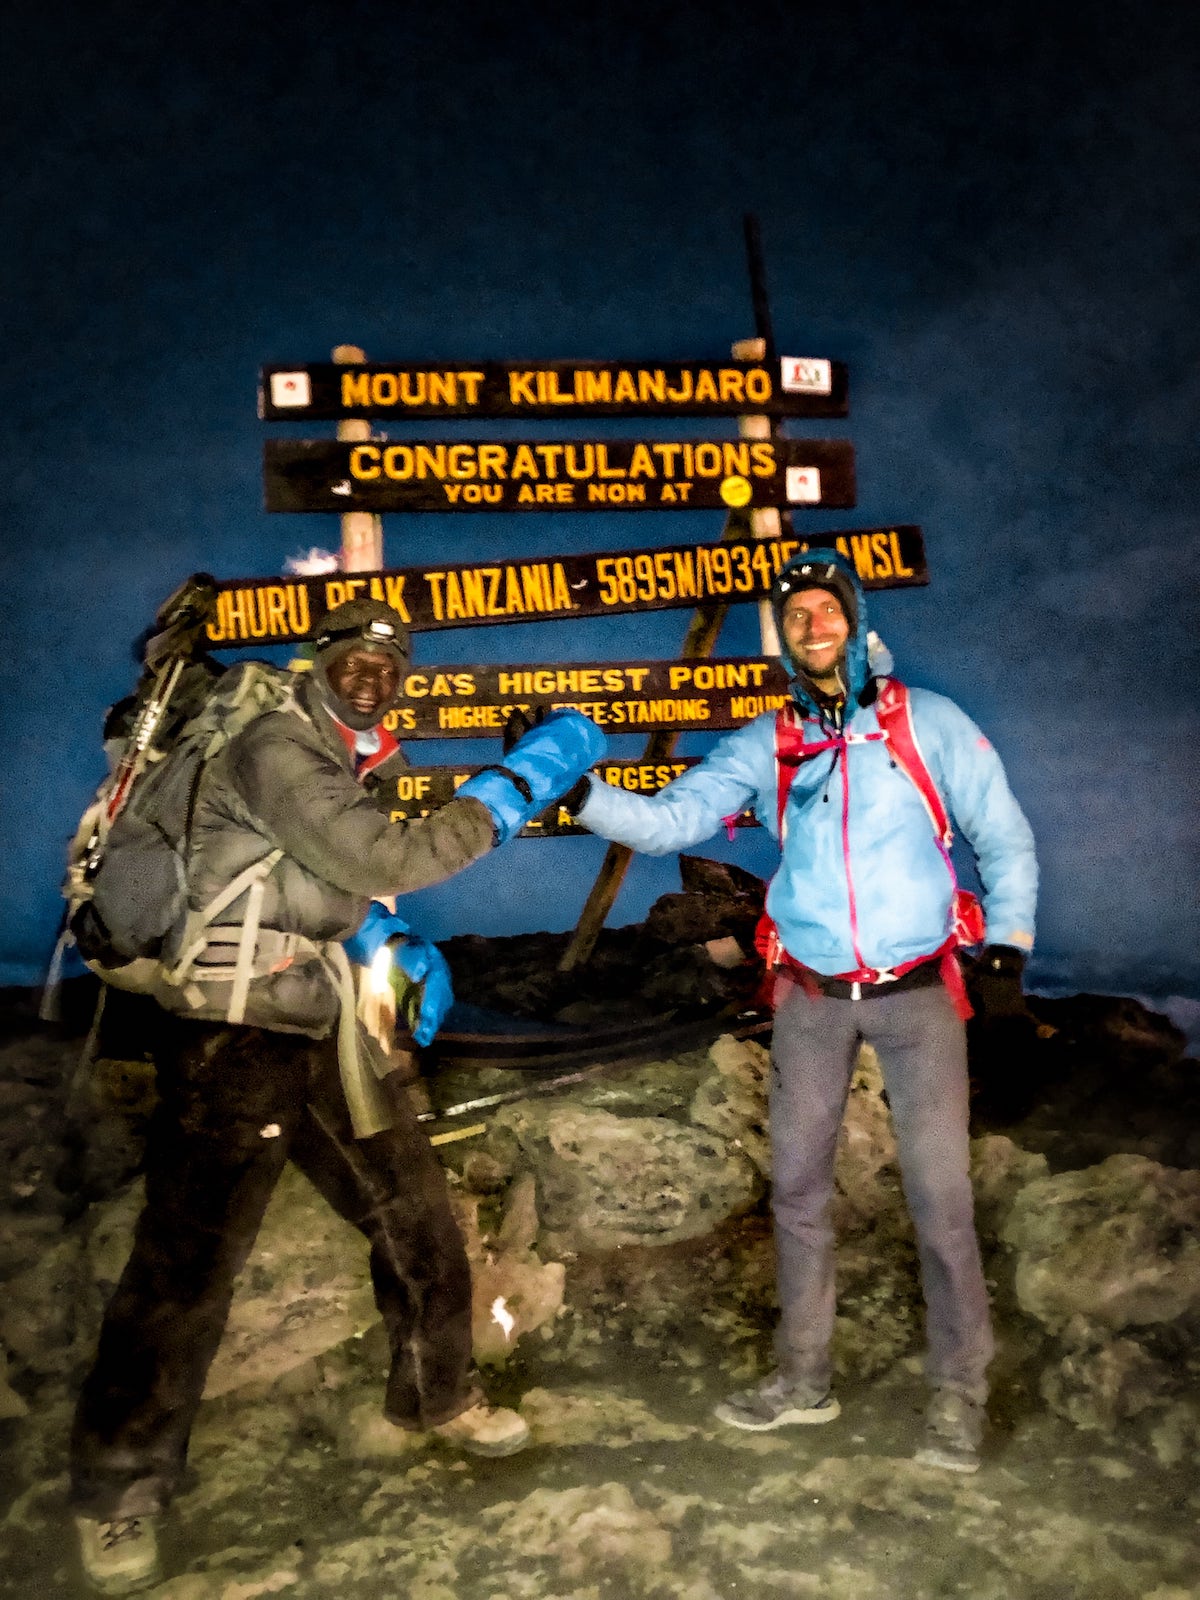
[
  {"x": 384, "y": 388},
  {"x": 652, "y": 385},
  {"x": 732, "y": 385},
  {"x": 364, "y": 461},
  {"x": 435, "y": 581},
  {"x": 398, "y": 461},
  {"x": 861, "y": 556},
  {"x": 297, "y": 608},
  {"x": 706, "y": 388},
  {"x": 881, "y": 555},
  {"x": 412, "y": 388},
  {"x": 763, "y": 457},
  {"x": 524, "y": 466},
  {"x": 556, "y": 396},
  {"x": 641, "y": 464},
  {"x": 593, "y": 388},
  {"x": 535, "y": 588},
  {"x": 492, "y": 460},
  {"x": 574, "y": 470},
  {"x": 625, "y": 389},
  {"x": 276, "y": 621},
  {"x": 431, "y": 460},
  {"x": 356, "y": 389},
  {"x": 520, "y": 389}
]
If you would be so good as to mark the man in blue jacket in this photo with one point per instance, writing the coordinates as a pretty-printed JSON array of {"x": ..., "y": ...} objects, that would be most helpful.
[{"x": 863, "y": 913}]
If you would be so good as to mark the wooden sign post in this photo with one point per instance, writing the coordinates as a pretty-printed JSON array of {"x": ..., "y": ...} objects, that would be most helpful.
[
  {"x": 757, "y": 479},
  {"x": 362, "y": 531}
]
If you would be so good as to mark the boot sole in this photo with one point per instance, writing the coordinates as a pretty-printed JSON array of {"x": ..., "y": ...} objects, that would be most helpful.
[
  {"x": 812, "y": 1416},
  {"x": 506, "y": 1447},
  {"x": 121, "y": 1586}
]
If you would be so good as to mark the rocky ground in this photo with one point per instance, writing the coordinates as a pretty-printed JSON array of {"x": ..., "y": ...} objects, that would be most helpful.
[{"x": 623, "y": 1222}]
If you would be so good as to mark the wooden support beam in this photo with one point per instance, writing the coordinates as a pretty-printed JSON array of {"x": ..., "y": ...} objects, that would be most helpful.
[
  {"x": 362, "y": 531},
  {"x": 699, "y": 641}
]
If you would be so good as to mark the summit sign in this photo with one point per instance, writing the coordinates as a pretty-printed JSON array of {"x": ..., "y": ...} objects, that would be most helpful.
[
  {"x": 790, "y": 386},
  {"x": 556, "y": 474}
]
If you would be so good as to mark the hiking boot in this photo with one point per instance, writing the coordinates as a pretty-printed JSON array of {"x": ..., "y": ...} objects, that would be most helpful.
[
  {"x": 121, "y": 1556},
  {"x": 953, "y": 1430},
  {"x": 486, "y": 1431},
  {"x": 776, "y": 1403}
]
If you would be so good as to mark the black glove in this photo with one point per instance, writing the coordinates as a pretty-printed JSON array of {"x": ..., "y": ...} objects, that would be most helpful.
[
  {"x": 572, "y": 801},
  {"x": 997, "y": 985},
  {"x": 519, "y": 724}
]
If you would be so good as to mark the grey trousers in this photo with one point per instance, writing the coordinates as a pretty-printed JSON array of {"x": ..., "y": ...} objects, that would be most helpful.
[{"x": 922, "y": 1049}]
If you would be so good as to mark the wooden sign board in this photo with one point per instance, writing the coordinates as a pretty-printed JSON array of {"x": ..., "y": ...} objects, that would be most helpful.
[
  {"x": 791, "y": 386},
  {"x": 556, "y": 474},
  {"x": 623, "y": 696},
  {"x": 421, "y": 790},
  {"x": 614, "y": 583}
]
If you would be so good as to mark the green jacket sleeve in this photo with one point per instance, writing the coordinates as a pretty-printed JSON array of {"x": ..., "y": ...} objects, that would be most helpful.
[{"x": 310, "y": 804}]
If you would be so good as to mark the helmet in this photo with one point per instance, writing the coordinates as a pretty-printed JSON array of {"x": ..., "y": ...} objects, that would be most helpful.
[{"x": 814, "y": 571}]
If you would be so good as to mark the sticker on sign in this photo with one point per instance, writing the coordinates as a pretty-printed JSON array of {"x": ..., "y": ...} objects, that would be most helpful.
[
  {"x": 805, "y": 375},
  {"x": 290, "y": 389},
  {"x": 804, "y": 486}
]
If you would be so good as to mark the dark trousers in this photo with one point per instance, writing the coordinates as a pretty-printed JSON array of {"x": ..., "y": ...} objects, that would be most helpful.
[
  {"x": 922, "y": 1051},
  {"x": 213, "y": 1158}
]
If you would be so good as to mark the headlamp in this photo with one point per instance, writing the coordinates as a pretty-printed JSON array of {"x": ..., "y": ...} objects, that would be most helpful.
[
  {"x": 378, "y": 631},
  {"x": 804, "y": 577}
]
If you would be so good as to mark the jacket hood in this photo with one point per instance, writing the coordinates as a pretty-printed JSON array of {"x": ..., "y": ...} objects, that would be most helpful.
[{"x": 858, "y": 666}]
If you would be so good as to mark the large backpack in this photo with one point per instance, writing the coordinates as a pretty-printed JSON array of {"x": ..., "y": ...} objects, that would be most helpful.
[
  {"x": 893, "y": 710},
  {"x": 124, "y": 899}
]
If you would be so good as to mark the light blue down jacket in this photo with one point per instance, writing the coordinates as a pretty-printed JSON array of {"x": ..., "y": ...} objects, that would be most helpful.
[{"x": 891, "y": 864}]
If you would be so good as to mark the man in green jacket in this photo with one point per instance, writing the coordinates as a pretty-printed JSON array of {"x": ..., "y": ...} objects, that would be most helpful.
[{"x": 238, "y": 1097}]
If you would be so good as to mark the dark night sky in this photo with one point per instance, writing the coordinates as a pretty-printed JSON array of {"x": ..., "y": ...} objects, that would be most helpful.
[{"x": 989, "y": 213}]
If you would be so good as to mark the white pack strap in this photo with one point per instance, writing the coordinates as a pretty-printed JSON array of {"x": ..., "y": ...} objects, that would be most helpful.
[
  {"x": 196, "y": 927},
  {"x": 369, "y": 1110}
]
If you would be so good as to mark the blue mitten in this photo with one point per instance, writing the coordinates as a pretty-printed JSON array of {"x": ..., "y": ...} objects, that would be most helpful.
[
  {"x": 378, "y": 926},
  {"x": 418, "y": 974},
  {"x": 538, "y": 769},
  {"x": 425, "y": 965}
]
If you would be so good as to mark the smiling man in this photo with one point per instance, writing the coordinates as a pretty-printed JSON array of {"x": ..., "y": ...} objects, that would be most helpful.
[
  {"x": 257, "y": 1063},
  {"x": 860, "y": 935}
]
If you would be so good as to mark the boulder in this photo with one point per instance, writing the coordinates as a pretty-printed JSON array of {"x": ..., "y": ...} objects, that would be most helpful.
[
  {"x": 1117, "y": 1244},
  {"x": 1098, "y": 1388},
  {"x": 605, "y": 1181},
  {"x": 731, "y": 1099},
  {"x": 600, "y": 1530}
]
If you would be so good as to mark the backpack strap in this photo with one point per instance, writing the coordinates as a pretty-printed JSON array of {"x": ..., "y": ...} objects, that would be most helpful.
[
  {"x": 196, "y": 930},
  {"x": 893, "y": 710}
]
